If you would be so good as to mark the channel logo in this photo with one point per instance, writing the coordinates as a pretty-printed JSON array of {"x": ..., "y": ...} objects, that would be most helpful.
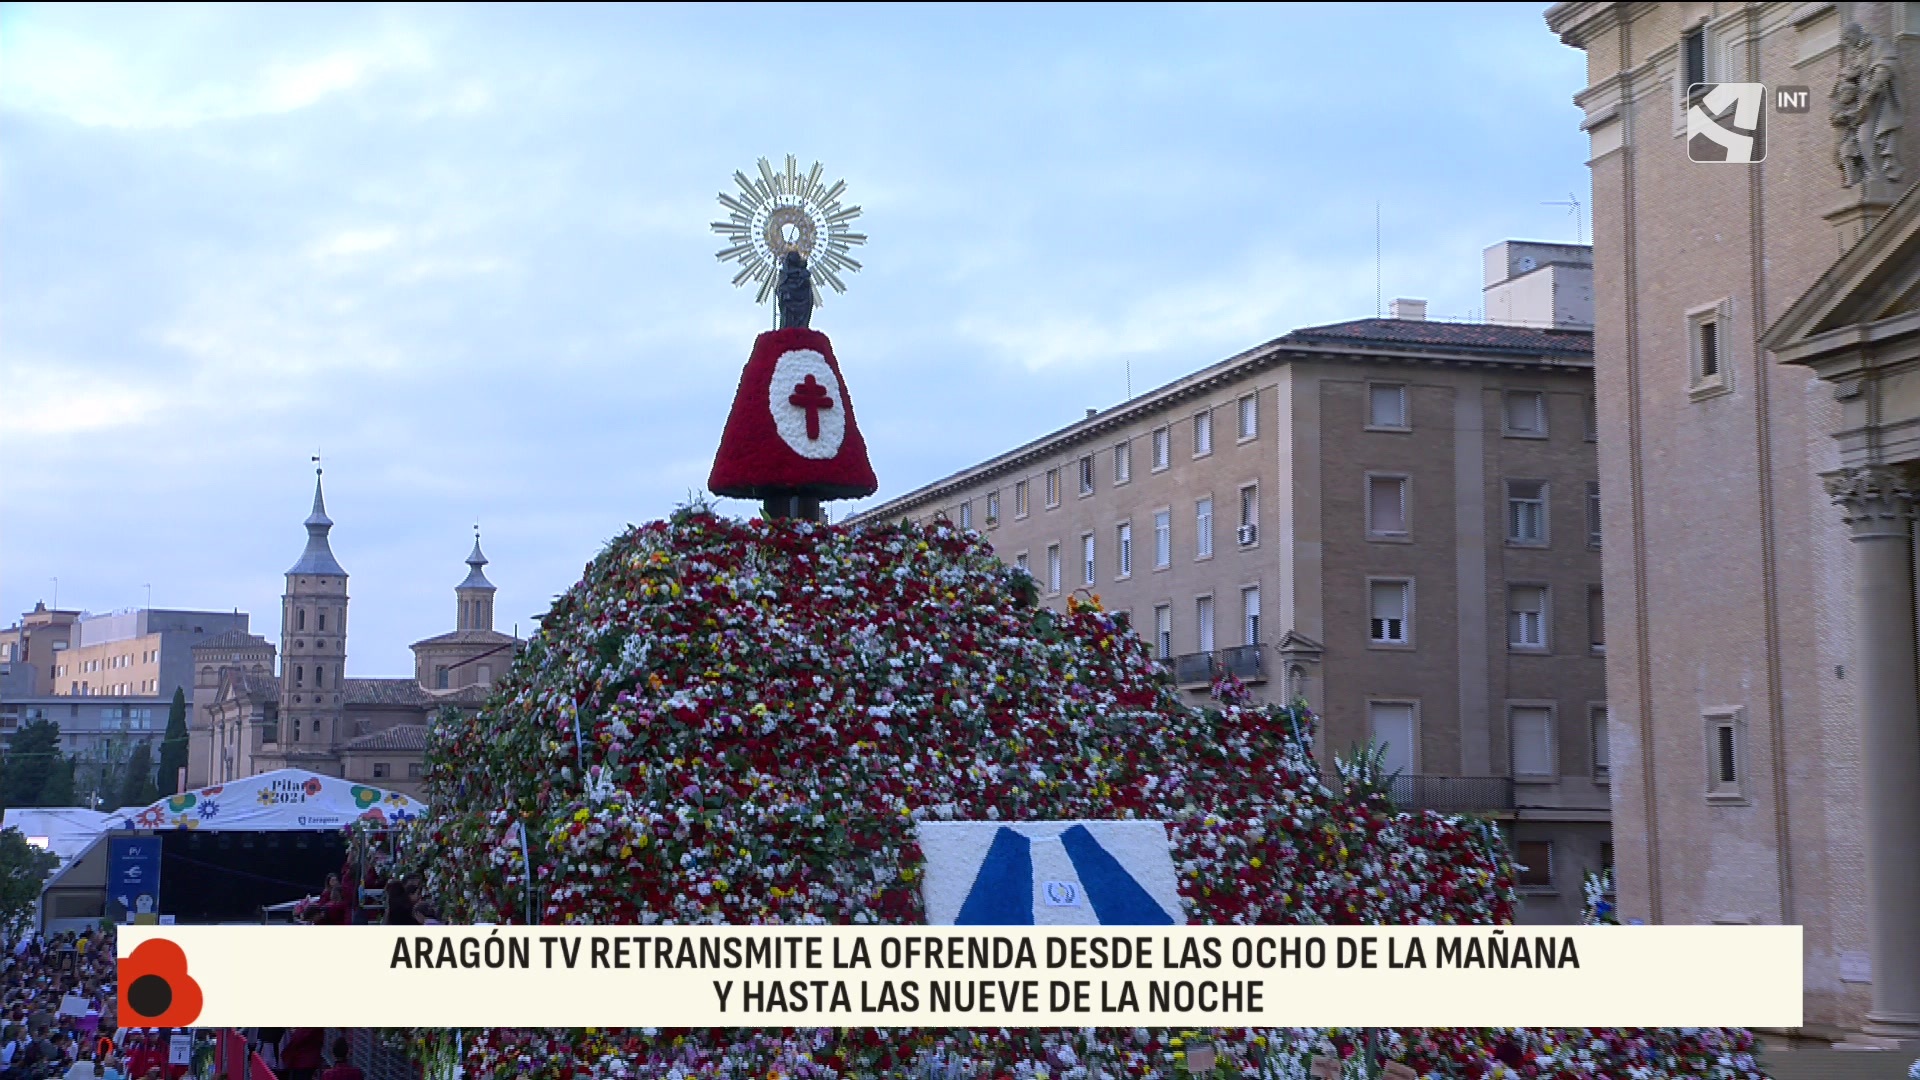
[
  {"x": 155, "y": 989},
  {"x": 1727, "y": 123}
]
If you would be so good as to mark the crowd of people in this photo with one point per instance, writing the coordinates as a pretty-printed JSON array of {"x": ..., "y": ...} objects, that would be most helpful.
[
  {"x": 60, "y": 1014},
  {"x": 58, "y": 1021}
]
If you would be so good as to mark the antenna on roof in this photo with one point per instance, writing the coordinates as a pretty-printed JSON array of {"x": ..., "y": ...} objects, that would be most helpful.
[
  {"x": 1379, "y": 306},
  {"x": 1572, "y": 204}
]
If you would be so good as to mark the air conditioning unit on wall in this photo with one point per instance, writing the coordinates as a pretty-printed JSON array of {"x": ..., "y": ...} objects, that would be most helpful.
[{"x": 1249, "y": 534}]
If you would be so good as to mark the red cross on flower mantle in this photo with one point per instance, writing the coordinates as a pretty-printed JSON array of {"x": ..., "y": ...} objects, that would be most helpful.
[{"x": 812, "y": 397}]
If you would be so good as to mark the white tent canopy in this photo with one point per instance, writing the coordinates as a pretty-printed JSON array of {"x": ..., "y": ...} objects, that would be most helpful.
[
  {"x": 64, "y": 830},
  {"x": 282, "y": 800}
]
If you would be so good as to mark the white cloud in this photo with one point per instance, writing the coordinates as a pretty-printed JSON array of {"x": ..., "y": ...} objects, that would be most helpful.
[
  {"x": 127, "y": 82},
  {"x": 353, "y": 242},
  {"x": 42, "y": 400}
]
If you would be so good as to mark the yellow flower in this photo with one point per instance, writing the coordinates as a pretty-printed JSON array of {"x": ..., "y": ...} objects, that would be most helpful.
[
  {"x": 1256, "y": 862},
  {"x": 626, "y": 851},
  {"x": 580, "y": 814}
]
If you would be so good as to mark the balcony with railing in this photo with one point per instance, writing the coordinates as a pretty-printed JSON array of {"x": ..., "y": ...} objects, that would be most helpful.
[
  {"x": 1247, "y": 663},
  {"x": 1452, "y": 794}
]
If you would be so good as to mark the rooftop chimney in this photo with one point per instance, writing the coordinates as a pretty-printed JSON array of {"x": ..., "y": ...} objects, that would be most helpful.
[
  {"x": 1091, "y": 413},
  {"x": 1404, "y": 308}
]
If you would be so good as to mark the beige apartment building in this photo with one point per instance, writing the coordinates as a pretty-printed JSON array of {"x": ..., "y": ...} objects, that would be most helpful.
[
  {"x": 1391, "y": 518},
  {"x": 1757, "y": 352},
  {"x": 136, "y": 653}
]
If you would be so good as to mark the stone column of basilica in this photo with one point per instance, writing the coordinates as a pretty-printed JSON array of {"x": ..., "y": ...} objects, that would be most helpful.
[{"x": 1878, "y": 503}]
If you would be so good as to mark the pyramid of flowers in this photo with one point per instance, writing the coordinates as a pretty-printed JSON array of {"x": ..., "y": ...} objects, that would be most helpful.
[{"x": 742, "y": 722}]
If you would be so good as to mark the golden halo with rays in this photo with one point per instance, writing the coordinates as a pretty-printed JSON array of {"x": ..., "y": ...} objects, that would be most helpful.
[{"x": 787, "y": 211}]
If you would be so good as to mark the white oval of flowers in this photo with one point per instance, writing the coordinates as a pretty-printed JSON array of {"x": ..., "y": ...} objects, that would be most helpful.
[{"x": 809, "y": 411}]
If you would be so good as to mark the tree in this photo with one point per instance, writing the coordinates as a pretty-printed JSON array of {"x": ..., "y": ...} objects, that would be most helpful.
[
  {"x": 58, "y": 790},
  {"x": 173, "y": 748},
  {"x": 23, "y": 869},
  {"x": 137, "y": 789},
  {"x": 31, "y": 755}
]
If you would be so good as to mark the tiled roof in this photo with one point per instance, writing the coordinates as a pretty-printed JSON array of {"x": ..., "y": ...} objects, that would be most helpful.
[
  {"x": 386, "y": 692},
  {"x": 249, "y": 684},
  {"x": 232, "y": 639},
  {"x": 397, "y": 737},
  {"x": 1471, "y": 337}
]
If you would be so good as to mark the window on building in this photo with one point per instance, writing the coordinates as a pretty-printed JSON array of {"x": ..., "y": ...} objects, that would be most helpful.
[
  {"x": 300, "y": 618},
  {"x": 1053, "y": 568},
  {"x": 440, "y": 677},
  {"x": 1203, "y": 622},
  {"x": 1250, "y": 614},
  {"x": 1250, "y": 416},
  {"x": 966, "y": 514},
  {"x": 1249, "y": 531},
  {"x": 1086, "y": 475},
  {"x": 1022, "y": 561},
  {"x": 1387, "y": 406},
  {"x": 1593, "y": 419},
  {"x": 1086, "y": 558},
  {"x": 1020, "y": 501},
  {"x": 1390, "y": 612},
  {"x": 1532, "y": 733},
  {"x": 1203, "y": 528},
  {"x": 1596, "y": 619},
  {"x": 484, "y": 674},
  {"x": 1527, "y": 617},
  {"x": 1387, "y": 506},
  {"x": 1533, "y": 865},
  {"x": 415, "y": 770},
  {"x": 1706, "y": 349},
  {"x": 322, "y": 616},
  {"x": 381, "y": 770},
  {"x": 1392, "y": 728},
  {"x": 1162, "y": 538},
  {"x": 1602, "y": 744},
  {"x": 1163, "y": 631},
  {"x": 1053, "y": 487},
  {"x": 1693, "y": 56},
  {"x": 270, "y": 731},
  {"x": 319, "y": 676},
  {"x": 1725, "y": 764},
  {"x": 1526, "y": 412},
  {"x": 1123, "y": 544},
  {"x": 294, "y": 730},
  {"x": 1203, "y": 433},
  {"x": 362, "y": 726},
  {"x": 299, "y": 675},
  {"x": 1162, "y": 449},
  {"x": 1123, "y": 463},
  {"x": 1526, "y": 512},
  {"x": 1593, "y": 513}
]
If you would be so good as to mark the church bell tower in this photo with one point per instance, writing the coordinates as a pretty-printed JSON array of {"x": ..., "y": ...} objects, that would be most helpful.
[{"x": 313, "y": 641}]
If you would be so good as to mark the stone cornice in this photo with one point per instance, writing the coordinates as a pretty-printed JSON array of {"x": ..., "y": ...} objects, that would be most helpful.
[{"x": 1577, "y": 23}]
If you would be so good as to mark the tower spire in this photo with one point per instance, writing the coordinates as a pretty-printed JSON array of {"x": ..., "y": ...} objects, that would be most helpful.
[
  {"x": 318, "y": 557},
  {"x": 475, "y": 595}
]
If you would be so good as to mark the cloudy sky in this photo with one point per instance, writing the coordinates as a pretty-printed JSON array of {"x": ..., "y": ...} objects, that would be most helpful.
[{"x": 465, "y": 254}]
